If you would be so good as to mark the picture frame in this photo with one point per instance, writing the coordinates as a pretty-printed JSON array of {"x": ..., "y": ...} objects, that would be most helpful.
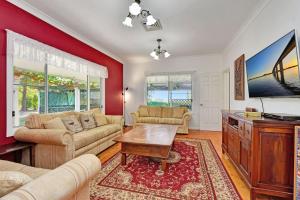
[
  {"x": 297, "y": 163},
  {"x": 239, "y": 78}
]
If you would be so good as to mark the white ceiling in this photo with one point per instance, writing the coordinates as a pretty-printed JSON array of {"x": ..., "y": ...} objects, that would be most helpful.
[{"x": 190, "y": 27}]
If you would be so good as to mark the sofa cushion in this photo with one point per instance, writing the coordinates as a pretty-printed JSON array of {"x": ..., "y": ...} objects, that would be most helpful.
[
  {"x": 100, "y": 119},
  {"x": 154, "y": 111},
  {"x": 87, "y": 121},
  {"x": 143, "y": 111},
  {"x": 85, "y": 138},
  {"x": 72, "y": 124},
  {"x": 179, "y": 112},
  {"x": 12, "y": 180},
  {"x": 148, "y": 120},
  {"x": 55, "y": 123},
  {"x": 166, "y": 112},
  {"x": 173, "y": 121},
  {"x": 36, "y": 121},
  {"x": 33, "y": 172}
]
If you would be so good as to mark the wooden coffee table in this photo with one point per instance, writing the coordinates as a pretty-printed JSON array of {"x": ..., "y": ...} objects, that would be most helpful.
[{"x": 150, "y": 140}]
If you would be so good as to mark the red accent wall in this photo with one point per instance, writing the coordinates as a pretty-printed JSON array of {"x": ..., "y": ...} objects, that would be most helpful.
[{"x": 20, "y": 21}]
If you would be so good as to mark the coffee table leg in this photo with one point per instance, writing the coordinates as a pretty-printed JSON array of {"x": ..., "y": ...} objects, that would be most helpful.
[
  {"x": 163, "y": 165},
  {"x": 123, "y": 159}
]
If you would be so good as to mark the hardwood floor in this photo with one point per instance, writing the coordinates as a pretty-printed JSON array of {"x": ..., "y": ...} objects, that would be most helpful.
[{"x": 216, "y": 139}]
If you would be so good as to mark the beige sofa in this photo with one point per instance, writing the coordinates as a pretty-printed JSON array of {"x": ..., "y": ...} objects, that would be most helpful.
[
  {"x": 67, "y": 182},
  {"x": 163, "y": 115},
  {"x": 56, "y": 146}
]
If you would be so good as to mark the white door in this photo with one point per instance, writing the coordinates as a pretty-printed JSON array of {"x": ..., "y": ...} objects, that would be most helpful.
[{"x": 211, "y": 100}]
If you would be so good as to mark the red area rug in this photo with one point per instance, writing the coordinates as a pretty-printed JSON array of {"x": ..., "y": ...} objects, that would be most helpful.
[{"x": 195, "y": 172}]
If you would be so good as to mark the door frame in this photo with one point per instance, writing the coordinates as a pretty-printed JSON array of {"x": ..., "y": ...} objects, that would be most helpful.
[{"x": 220, "y": 74}]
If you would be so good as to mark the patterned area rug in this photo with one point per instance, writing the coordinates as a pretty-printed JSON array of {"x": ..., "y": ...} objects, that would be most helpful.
[{"x": 196, "y": 172}]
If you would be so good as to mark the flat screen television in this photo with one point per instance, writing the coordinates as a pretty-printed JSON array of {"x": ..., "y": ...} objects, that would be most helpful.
[{"x": 274, "y": 71}]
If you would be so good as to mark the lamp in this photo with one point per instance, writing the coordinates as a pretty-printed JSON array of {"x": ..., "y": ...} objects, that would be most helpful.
[
  {"x": 150, "y": 20},
  {"x": 156, "y": 53},
  {"x": 128, "y": 21},
  {"x": 167, "y": 54},
  {"x": 135, "y": 10},
  {"x": 124, "y": 102}
]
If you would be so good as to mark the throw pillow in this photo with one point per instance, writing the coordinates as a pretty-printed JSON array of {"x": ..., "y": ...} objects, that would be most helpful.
[
  {"x": 55, "y": 123},
  {"x": 12, "y": 180},
  {"x": 87, "y": 121},
  {"x": 72, "y": 124},
  {"x": 100, "y": 119}
]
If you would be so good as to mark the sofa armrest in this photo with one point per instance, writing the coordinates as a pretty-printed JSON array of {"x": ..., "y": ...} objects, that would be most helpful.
[
  {"x": 115, "y": 119},
  {"x": 135, "y": 116},
  {"x": 65, "y": 182},
  {"x": 187, "y": 116},
  {"x": 59, "y": 137}
]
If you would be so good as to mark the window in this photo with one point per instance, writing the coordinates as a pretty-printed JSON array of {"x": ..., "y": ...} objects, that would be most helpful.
[
  {"x": 64, "y": 88},
  {"x": 95, "y": 92},
  {"x": 42, "y": 79},
  {"x": 28, "y": 88},
  {"x": 172, "y": 90}
]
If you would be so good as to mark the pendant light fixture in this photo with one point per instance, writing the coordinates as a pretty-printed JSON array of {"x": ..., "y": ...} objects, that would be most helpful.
[
  {"x": 135, "y": 10},
  {"x": 158, "y": 52}
]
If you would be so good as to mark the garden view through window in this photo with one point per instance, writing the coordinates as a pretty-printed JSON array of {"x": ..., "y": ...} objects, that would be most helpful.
[
  {"x": 67, "y": 90},
  {"x": 170, "y": 90}
]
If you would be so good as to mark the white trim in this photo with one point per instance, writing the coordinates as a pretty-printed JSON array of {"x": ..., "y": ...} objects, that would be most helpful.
[
  {"x": 9, "y": 89},
  {"x": 88, "y": 93},
  {"x": 246, "y": 24},
  {"x": 43, "y": 16},
  {"x": 103, "y": 95}
]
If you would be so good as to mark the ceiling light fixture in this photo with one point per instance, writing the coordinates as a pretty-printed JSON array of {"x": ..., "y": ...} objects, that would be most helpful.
[
  {"x": 135, "y": 10},
  {"x": 158, "y": 52},
  {"x": 128, "y": 21}
]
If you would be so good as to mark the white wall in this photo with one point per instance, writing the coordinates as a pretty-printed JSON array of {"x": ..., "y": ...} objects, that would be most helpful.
[
  {"x": 276, "y": 19},
  {"x": 134, "y": 79}
]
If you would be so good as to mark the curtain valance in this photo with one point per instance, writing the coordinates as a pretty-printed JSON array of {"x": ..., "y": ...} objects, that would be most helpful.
[{"x": 26, "y": 48}]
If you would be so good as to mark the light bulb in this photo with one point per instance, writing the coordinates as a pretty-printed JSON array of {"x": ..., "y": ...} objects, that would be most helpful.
[
  {"x": 167, "y": 54},
  {"x": 135, "y": 9},
  {"x": 153, "y": 54},
  {"x": 156, "y": 57},
  {"x": 128, "y": 22},
  {"x": 150, "y": 20}
]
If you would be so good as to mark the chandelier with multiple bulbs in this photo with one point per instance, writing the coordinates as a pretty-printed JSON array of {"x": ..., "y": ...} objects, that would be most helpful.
[
  {"x": 135, "y": 10},
  {"x": 158, "y": 52}
]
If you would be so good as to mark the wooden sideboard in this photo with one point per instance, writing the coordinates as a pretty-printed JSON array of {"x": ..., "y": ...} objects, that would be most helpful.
[{"x": 262, "y": 151}]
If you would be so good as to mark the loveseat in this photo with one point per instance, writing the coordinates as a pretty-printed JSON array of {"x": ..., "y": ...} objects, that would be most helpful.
[
  {"x": 163, "y": 115},
  {"x": 55, "y": 146},
  {"x": 67, "y": 182}
]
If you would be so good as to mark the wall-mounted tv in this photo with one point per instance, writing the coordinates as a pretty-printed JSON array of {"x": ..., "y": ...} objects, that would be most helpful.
[{"x": 274, "y": 72}]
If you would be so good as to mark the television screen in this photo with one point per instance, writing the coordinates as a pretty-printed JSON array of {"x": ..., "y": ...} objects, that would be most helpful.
[{"x": 274, "y": 72}]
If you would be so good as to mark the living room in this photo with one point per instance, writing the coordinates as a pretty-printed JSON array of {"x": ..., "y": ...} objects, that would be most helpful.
[{"x": 142, "y": 99}]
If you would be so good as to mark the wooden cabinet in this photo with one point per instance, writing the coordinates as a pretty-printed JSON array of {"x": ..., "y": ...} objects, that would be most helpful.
[
  {"x": 224, "y": 134},
  {"x": 245, "y": 157},
  {"x": 262, "y": 150}
]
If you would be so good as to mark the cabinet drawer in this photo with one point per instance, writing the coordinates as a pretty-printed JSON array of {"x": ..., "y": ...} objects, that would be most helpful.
[
  {"x": 248, "y": 131},
  {"x": 241, "y": 128}
]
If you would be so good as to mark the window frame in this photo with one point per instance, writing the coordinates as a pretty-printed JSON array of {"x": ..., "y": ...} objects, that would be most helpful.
[
  {"x": 168, "y": 74},
  {"x": 12, "y": 37},
  {"x": 10, "y": 78}
]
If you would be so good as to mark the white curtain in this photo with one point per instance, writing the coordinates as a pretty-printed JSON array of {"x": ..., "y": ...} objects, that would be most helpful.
[{"x": 26, "y": 48}]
